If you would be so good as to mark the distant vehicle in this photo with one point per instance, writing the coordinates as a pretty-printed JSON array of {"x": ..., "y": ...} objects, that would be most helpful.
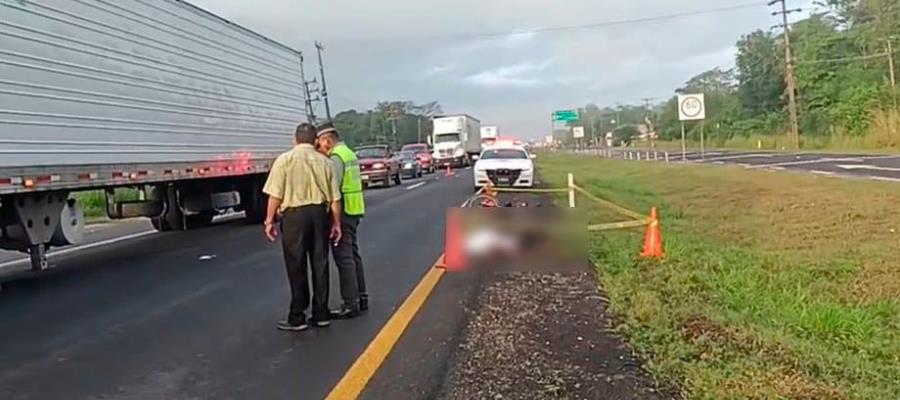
[
  {"x": 423, "y": 154},
  {"x": 378, "y": 165},
  {"x": 505, "y": 166},
  {"x": 409, "y": 164},
  {"x": 456, "y": 140},
  {"x": 489, "y": 136}
]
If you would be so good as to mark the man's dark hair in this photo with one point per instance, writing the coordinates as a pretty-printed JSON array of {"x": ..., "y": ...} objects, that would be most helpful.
[
  {"x": 329, "y": 130},
  {"x": 306, "y": 133}
]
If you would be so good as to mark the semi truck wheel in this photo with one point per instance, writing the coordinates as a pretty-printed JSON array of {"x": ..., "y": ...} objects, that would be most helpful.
[
  {"x": 172, "y": 218},
  {"x": 253, "y": 201}
]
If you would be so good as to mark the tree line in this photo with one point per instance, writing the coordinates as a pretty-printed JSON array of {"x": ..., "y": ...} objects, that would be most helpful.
[
  {"x": 390, "y": 122},
  {"x": 846, "y": 82}
]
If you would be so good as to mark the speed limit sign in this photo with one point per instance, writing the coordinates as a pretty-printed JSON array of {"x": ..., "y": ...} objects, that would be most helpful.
[{"x": 691, "y": 107}]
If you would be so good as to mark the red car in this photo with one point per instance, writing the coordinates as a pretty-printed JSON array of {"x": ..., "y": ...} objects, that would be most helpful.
[
  {"x": 378, "y": 165},
  {"x": 422, "y": 153}
]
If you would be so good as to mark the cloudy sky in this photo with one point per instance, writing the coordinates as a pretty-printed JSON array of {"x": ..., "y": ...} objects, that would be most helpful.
[{"x": 482, "y": 57}]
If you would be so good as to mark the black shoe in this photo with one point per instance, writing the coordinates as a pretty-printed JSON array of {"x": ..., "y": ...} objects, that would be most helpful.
[
  {"x": 284, "y": 325},
  {"x": 344, "y": 313},
  {"x": 363, "y": 303}
]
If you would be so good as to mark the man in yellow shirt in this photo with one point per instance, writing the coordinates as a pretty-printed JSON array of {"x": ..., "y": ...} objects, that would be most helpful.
[{"x": 301, "y": 187}]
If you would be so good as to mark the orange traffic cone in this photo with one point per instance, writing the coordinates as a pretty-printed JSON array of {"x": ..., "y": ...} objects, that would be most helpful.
[
  {"x": 653, "y": 246},
  {"x": 454, "y": 252}
]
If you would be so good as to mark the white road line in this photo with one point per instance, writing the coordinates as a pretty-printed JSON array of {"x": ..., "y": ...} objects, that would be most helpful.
[
  {"x": 805, "y": 162},
  {"x": 83, "y": 247},
  {"x": 416, "y": 186},
  {"x": 741, "y": 156},
  {"x": 826, "y": 173},
  {"x": 869, "y": 167},
  {"x": 884, "y": 179}
]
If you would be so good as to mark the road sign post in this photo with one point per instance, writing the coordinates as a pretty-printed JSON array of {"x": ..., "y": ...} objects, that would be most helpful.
[{"x": 691, "y": 107}]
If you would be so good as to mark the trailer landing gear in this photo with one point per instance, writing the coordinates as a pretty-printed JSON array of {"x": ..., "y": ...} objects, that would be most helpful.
[{"x": 38, "y": 253}]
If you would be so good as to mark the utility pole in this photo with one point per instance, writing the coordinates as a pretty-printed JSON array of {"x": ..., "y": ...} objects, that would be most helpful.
[
  {"x": 618, "y": 114},
  {"x": 307, "y": 98},
  {"x": 789, "y": 72},
  {"x": 324, "y": 89}
]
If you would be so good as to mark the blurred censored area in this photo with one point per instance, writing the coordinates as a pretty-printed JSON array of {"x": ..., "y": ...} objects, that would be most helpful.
[{"x": 522, "y": 231}]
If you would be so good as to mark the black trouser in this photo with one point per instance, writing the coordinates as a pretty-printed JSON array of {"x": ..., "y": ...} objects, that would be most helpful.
[
  {"x": 349, "y": 263},
  {"x": 305, "y": 243}
]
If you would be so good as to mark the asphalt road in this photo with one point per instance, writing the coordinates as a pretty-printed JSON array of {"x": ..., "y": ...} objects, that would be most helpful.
[
  {"x": 145, "y": 318},
  {"x": 884, "y": 167}
]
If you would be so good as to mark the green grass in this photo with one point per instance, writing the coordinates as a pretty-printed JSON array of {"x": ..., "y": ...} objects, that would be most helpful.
[
  {"x": 774, "y": 285},
  {"x": 93, "y": 202}
]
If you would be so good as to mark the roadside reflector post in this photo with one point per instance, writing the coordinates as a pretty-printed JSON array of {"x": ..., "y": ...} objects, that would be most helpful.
[
  {"x": 639, "y": 156},
  {"x": 667, "y": 157},
  {"x": 571, "y": 191}
]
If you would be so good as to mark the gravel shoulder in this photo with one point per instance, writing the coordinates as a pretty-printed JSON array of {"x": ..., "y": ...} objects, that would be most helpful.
[{"x": 544, "y": 335}]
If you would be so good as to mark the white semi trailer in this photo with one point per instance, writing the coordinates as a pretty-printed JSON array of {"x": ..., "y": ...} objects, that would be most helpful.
[
  {"x": 157, "y": 95},
  {"x": 456, "y": 140}
]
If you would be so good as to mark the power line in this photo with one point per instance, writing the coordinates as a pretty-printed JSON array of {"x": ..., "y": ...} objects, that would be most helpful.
[
  {"x": 603, "y": 24},
  {"x": 844, "y": 59}
]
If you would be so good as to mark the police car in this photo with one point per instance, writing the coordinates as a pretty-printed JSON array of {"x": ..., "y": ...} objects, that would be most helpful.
[{"x": 505, "y": 166}]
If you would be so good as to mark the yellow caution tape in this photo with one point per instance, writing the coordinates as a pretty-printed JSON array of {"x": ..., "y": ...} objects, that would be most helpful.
[
  {"x": 614, "y": 206},
  {"x": 617, "y": 225},
  {"x": 514, "y": 190}
]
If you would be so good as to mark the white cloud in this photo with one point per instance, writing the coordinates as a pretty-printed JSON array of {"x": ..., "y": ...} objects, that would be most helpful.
[
  {"x": 418, "y": 50},
  {"x": 440, "y": 69},
  {"x": 517, "y": 75}
]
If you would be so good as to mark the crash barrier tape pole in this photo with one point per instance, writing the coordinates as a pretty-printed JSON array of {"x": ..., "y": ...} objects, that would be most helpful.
[
  {"x": 667, "y": 157},
  {"x": 639, "y": 156},
  {"x": 571, "y": 191}
]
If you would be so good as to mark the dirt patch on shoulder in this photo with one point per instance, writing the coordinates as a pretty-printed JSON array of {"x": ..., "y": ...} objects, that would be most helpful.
[{"x": 543, "y": 335}]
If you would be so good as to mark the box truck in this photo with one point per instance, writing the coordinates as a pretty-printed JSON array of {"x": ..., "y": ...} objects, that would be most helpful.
[
  {"x": 489, "y": 135},
  {"x": 186, "y": 108},
  {"x": 456, "y": 140}
]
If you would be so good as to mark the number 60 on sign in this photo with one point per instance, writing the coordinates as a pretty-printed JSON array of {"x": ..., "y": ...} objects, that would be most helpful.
[{"x": 691, "y": 107}]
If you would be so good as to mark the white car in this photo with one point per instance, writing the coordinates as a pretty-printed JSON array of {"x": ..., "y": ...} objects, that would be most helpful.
[{"x": 504, "y": 166}]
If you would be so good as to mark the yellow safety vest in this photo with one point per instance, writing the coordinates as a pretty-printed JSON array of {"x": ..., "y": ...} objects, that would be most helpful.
[{"x": 351, "y": 184}]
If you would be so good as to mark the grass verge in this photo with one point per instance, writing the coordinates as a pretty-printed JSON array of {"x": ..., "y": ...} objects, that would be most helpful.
[
  {"x": 93, "y": 202},
  {"x": 774, "y": 286}
]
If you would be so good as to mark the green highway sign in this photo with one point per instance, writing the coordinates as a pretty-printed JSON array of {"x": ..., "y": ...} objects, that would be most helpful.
[{"x": 565, "y": 115}]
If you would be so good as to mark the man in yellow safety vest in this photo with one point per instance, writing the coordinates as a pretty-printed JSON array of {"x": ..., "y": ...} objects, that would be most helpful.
[{"x": 346, "y": 251}]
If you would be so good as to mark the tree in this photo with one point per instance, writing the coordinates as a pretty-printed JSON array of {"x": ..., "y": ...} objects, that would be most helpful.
[
  {"x": 390, "y": 122},
  {"x": 760, "y": 74}
]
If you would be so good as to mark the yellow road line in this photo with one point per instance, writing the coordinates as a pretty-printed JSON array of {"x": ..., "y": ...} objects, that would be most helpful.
[{"x": 364, "y": 368}]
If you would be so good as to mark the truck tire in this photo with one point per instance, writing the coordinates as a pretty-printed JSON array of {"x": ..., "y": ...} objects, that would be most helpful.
[
  {"x": 160, "y": 224},
  {"x": 172, "y": 219},
  {"x": 253, "y": 202}
]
